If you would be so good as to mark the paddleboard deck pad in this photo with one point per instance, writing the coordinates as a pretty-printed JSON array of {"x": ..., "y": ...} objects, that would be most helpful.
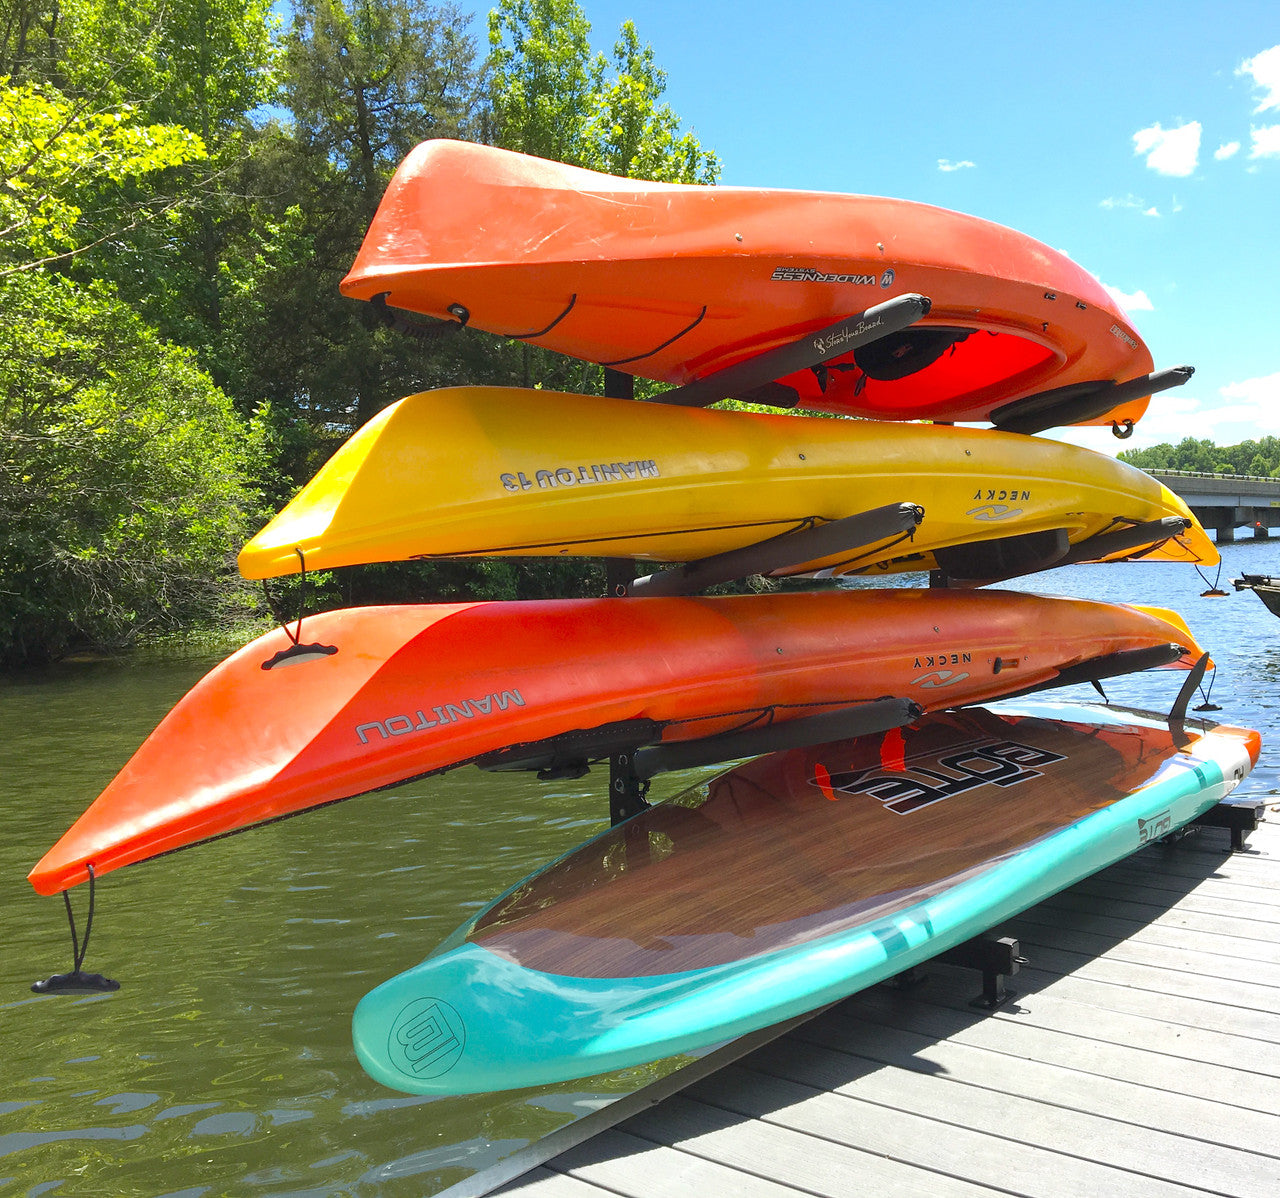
[{"x": 787, "y": 883}]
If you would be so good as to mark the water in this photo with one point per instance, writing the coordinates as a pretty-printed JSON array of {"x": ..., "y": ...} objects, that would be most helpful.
[{"x": 224, "y": 1065}]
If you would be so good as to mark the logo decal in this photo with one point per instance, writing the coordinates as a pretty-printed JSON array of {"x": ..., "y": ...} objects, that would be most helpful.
[
  {"x": 1001, "y": 493},
  {"x": 807, "y": 274},
  {"x": 906, "y": 790},
  {"x": 426, "y": 1038},
  {"x": 1117, "y": 331},
  {"x": 886, "y": 279},
  {"x": 1155, "y": 827},
  {"x": 446, "y": 713},
  {"x": 579, "y": 476},
  {"x": 836, "y": 342},
  {"x": 994, "y": 511},
  {"x": 940, "y": 678}
]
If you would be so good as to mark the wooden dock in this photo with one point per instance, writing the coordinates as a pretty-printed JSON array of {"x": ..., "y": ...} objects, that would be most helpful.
[{"x": 1141, "y": 1056}]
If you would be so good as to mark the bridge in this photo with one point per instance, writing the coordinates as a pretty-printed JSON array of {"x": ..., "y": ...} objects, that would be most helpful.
[{"x": 1225, "y": 502}]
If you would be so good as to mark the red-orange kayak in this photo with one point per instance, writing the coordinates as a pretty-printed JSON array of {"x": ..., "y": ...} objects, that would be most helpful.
[
  {"x": 379, "y": 695},
  {"x": 675, "y": 282}
]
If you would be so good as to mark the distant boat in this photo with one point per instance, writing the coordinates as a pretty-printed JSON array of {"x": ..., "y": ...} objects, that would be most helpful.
[{"x": 1265, "y": 586}]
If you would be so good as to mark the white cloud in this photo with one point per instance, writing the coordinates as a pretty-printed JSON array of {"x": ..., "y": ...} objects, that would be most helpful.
[
  {"x": 1265, "y": 69},
  {"x": 1139, "y": 301},
  {"x": 1227, "y": 151},
  {"x": 1127, "y": 201},
  {"x": 945, "y": 164},
  {"x": 1169, "y": 151},
  {"x": 1259, "y": 398},
  {"x": 1152, "y": 212},
  {"x": 1266, "y": 142}
]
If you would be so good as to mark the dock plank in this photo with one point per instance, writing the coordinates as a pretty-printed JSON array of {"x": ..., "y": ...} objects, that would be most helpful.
[
  {"x": 1186, "y": 952},
  {"x": 1037, "y": 1121},
  {"x": 1001, "y": 1159},
  {"x": 1231, "y": 1070},
  {"x": 629, "y": 1164},
  {"x": 790, "y": 1155},
  {"x": 1230, "y": 925},
  {"x": 1150, "y": 1102}
]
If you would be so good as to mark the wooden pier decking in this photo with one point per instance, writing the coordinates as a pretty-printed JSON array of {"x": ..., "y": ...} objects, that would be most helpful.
[{"x": 1141, "y": 1057}]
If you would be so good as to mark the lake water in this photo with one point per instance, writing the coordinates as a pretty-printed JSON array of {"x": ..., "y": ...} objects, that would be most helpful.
[{"x": 224, "y": 1064}]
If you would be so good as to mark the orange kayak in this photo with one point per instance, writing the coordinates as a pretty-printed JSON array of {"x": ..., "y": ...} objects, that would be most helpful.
[
  {"x": 378, "y": 695},
  {"x": 676, "y": 282}
]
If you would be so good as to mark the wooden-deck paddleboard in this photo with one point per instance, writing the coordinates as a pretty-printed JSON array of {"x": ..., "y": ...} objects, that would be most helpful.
[
  {"x": 377, "y": 695},
  {"x": 489, "y": 470},
  {"x": 785, "y": 884},
  {"x": 676, "y": 282}
]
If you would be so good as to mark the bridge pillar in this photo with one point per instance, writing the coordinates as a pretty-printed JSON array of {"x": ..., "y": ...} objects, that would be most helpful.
[
  {"x": 1224, "y": 535},
  {"x": 1261, "y": 532}
]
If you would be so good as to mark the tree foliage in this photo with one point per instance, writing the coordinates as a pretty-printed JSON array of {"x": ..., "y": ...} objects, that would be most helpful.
[
  {"x": 61, "y": 170},
  {"x": 183, "y": 183},
  {"x": 125, "y": 481},
  {"x": 1258, "y": 458},
  {"x": 551, "y": 96}
]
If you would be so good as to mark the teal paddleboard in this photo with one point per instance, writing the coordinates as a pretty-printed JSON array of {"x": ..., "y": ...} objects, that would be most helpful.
[{"x": 786, "y": 883}]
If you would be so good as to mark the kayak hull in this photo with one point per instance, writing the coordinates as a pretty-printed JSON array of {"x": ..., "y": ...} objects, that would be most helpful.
[
  {"x": 675, "y": 282},
  {"x": 374, "y": 696},
  {"x": 470, "y": 471}
]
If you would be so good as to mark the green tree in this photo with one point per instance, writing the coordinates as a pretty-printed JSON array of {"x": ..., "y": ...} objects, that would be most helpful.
[
  {"x": 125, "y": 477},
  {"x": 362, "y": 81},
  {"x": 551, "y": 96},
  {"x": 367, "y": 80},
  {"x": 61, "y": 168}
]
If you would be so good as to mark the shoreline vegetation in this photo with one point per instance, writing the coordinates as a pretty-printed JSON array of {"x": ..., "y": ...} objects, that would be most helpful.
[{"x": 181, "y": 190}]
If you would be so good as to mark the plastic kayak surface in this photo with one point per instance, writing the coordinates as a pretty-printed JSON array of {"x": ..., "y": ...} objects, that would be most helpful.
[
  {"x": 377, "y": 695},
  {"x": 490, "y": 470},
  {"x": 674, "y": 282},
  {"x": 784, "y": 884}
]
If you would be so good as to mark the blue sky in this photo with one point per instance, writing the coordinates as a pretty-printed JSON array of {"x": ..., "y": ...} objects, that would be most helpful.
[{"x": 1141, "y": 139}]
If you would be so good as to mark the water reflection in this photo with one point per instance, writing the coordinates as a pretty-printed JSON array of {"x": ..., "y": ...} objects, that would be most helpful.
[{"x": 224, "y": 1064}]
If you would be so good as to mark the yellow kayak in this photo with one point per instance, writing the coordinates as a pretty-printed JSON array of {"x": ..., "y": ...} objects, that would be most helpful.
[{"x": 478, "y": 471}]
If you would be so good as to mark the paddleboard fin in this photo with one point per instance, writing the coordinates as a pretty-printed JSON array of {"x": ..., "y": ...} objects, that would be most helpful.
[
  {"x": 1178, "y": 712},
  {"x": 77, "y": 980},
  {"x": 788, "y": 549},
  {"x": 743, "y": 380},
  {"x": 1082, "y": 402}
]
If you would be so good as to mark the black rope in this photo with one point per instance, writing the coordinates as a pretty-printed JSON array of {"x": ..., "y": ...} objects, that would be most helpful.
[
  {"x": 573, "y": 299},
  {"x": 277, "y": 610},
  {"x": 1207, "y": 695},
  {"x": 659, "y": 348},
  {"x": 302, "y": 596},
  {"x": 76, "y": 956},
  {"x": 77, "y": 979},
  {"x": 1214, "y": 589}
]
